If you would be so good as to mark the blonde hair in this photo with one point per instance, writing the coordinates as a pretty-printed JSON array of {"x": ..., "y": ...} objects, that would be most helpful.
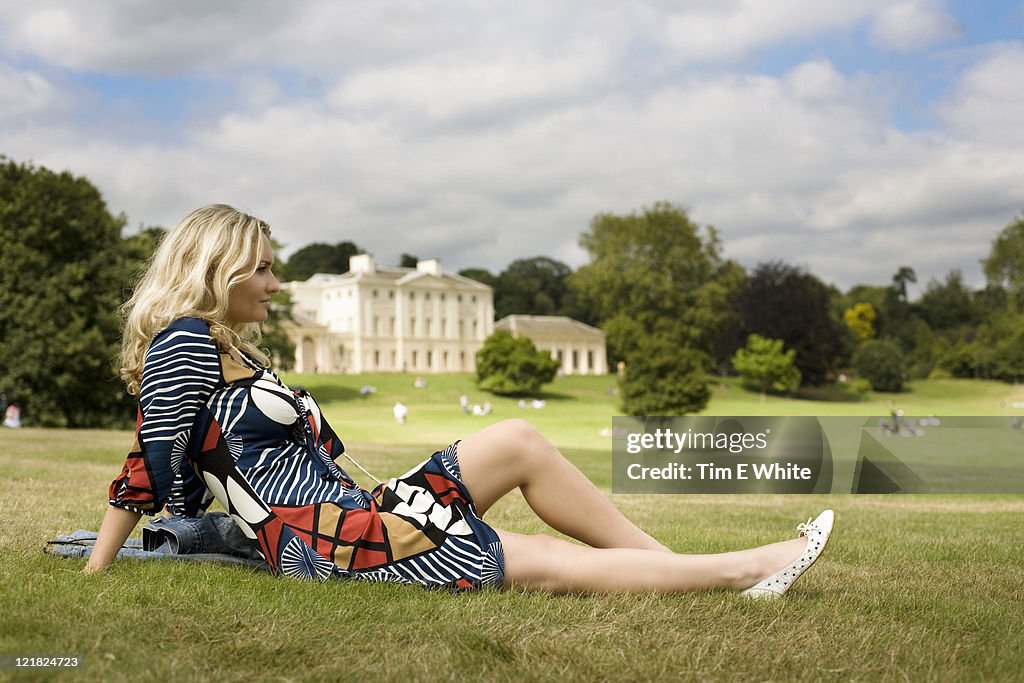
[{"x": 208, "y": 252}]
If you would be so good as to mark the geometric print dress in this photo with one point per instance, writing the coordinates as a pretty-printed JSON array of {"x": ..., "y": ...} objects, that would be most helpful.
[{"x": 210, "y": 428}]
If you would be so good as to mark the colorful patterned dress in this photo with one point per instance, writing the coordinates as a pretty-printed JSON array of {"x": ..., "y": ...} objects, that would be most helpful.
[{"x": 210, "y": 427}]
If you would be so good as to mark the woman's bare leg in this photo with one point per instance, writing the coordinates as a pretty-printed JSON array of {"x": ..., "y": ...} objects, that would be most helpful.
[
  {"x": 512, "y": 453},
  {"x": 558, "y": 566}
]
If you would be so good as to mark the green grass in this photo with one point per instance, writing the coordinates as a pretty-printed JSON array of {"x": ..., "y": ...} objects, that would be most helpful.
[{"x": 912, "y": 587}]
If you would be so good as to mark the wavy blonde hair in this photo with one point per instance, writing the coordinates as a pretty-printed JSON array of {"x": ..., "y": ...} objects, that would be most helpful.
[{"x": 208, "y": 252}]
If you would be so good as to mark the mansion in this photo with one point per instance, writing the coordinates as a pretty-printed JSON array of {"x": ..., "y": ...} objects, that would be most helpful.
[
  {"x": 380, "y": 318},
  {"x": 420, "y": 320}
]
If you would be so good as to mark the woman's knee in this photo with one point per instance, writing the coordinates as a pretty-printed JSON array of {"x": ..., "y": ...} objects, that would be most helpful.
[
  {"x": 522, "y": 438},
  {"x": 537, "y": 561}
]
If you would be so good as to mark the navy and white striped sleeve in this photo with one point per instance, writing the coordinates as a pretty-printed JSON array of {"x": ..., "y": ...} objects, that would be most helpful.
[{"x": 181, "y": 371}]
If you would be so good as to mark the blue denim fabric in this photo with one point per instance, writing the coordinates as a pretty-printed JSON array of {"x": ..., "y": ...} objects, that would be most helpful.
[
  {"x": 214, "y": 538},
  {"x": 214, "y": 532}
]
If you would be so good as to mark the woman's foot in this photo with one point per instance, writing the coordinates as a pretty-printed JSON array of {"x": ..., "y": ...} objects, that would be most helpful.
[{"x": 817, "y": 533}]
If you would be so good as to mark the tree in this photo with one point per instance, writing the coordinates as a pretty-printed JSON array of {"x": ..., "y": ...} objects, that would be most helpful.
[
  {"x": 275, "y": 339},
  {"x": 535, "y": 286},
  {"x": 317, "y": 257},
  {"x": 408, "y": 261},
  {"x": 949, "y": 304},
  {"x": 899, "y": 283},
  {"x": 1004, "y": 266},
  {"x": 480, "y": 275},
  {"x": 860, "y": 318},
  {"x": 780, "y": 301},
  {"x": 62, "y": 268},
  {"x": 764, "y": 365},
  {"x": 663, "y": 379},
  {"x": 508, "y": 365},
  {"x": 656, "y": 273},
  {"x": 881, "y": 362}
]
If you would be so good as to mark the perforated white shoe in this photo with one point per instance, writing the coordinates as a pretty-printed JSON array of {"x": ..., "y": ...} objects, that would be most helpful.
[{"x": 817, "y": 533}]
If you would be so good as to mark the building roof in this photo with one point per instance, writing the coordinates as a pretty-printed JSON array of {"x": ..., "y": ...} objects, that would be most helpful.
[
  {"x": 363, "y": 266},
  {"x": 531, "y": 326}
]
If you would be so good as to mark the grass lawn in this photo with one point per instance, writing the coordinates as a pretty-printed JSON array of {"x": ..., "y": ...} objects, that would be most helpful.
[{"x": 912, "y": 587}]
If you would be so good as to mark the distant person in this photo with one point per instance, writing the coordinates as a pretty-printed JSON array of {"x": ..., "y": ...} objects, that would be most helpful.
[
  {"x": 419, "y": 383},
  {"x": 401, "y": 412},
  {"x": 464, "y": 403},
  {"x": 216, "y": 422},
  {"x": 12, "y": 417}
]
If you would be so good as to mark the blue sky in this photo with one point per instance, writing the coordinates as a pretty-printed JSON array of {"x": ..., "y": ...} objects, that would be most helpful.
[{"x": 850, "y": 138}]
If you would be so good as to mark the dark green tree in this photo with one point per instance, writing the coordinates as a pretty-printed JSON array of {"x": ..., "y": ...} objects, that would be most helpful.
[
  {"x": 510, "y": 366},
  {"x": 408, "y": 261},
  {"x": 663, "y": 379},
  {"x": 63, "y": 267},
  {"x": 780, "y": 301},
  {"x": 881, "y": 362},
  {"x": 275, "y": 337},
  {"x": 317, "y": 257},
  {"x": 534, "y": 286},
  {"x": 948, "y": 305},
  {"x": 480, "y": 275}
]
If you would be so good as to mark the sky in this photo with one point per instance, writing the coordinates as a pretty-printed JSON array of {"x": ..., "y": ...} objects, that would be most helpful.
[{"x": 846, "y": 137}]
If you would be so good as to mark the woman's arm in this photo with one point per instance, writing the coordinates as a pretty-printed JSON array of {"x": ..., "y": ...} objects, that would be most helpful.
[{"x": 117, "y": 525}]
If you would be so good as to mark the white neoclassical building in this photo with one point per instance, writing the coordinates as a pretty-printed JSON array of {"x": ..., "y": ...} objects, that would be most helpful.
[
  {"x": 579, "y": 348},
  {"x": 381, "y": 318}
]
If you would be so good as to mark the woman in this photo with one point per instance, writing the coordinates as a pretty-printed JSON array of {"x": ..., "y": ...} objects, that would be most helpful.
[{"x": 215, "y": 422}]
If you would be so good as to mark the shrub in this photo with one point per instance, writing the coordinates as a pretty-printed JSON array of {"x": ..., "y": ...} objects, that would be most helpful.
[
  {"x": 861, "y": 387},
  {"x": 764, "y": 366},
  {"x": 881, "y": 363},
  {"x": 662, "y": 378},
  {"x": 511, "y": 366}
]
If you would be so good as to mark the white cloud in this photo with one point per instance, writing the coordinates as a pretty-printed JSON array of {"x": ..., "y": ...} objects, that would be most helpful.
[
  {"x": 913, "y": 25},
  {"x": 481, "y": 136},
  {"x": 727, "y": 30},
  {"x": 28, "y": 95},
  {"x": 988, "y": 104}
]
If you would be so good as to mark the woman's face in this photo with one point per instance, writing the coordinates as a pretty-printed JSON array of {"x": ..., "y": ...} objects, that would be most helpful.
[{"x": 249, "y": 300}]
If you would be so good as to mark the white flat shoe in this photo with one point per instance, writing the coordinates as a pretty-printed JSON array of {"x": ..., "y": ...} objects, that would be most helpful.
[{"x": 817, "y": 533}]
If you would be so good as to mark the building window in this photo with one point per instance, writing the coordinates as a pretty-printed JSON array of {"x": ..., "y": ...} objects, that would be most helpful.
[
  {"x": 391, "y": 327},
  {"x": 590, "y": 359},
  {"x": 375, "y": 294},
  {"x": 412, "y": 295},
  {"x": 474, "y": 329},
  {"x": 462, "y": 360},
  {"x": 444, "y": 360},
  {"x": 459, "y": 298},
  {"x": 474, "y": 298},
  {"x": 430, "y": 358},
  {"x": 414, "y": 359},
  {"x": 575, "y": 359},
  {"x": 427, "y": 296},
  {"x": 376, "y": 326},
  {"x": 391, "y": 294},
  {"x": 394, "y": 359},
  {"x": 444, "y": 327},
  {"x": 430, "y": 328},
  {"x": 442, "y": 296},
  {"x": 412, "y": 325},
  {"x": 462, "y": 329},
  {"x": 376, "y": 360}
]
